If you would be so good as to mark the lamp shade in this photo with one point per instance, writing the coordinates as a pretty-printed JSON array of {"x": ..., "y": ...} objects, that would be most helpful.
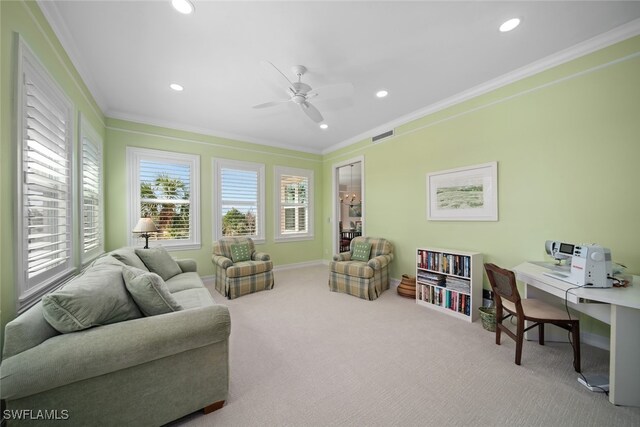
[{"x": 145, "y": 225}]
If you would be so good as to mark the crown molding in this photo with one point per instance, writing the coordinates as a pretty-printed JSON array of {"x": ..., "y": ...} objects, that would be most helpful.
[
  {"x": 618, "y": 34},
  {"x": 205, "y": 131}
]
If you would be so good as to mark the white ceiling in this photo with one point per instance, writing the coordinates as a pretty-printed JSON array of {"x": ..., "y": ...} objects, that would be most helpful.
[{"x": 426, "y": 54}]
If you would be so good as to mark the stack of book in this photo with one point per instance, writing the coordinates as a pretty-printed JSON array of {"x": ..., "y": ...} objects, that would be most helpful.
[
  {"x": 430, "y": 278},
  {"x": 458, "y": 285}
]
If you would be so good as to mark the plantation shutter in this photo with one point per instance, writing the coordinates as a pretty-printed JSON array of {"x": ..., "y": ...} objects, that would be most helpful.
[
  {"x": 46, "y": 184},
  {"x": 294, "y": 204},
  {"x": 165, "y": 197},
  {"x": 92, "y": 239},
  {"x": 239, "y": 202}
]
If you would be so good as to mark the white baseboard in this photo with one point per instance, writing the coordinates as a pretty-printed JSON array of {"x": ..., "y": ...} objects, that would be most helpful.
[
  {"x": 208, "y": 280},
  {"x": 298, "y": 265}
]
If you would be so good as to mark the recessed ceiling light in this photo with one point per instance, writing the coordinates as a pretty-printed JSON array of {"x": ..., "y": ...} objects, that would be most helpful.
[
  {"x": 324, "y": 126},
  {"x": 176, "y": 87},
  {"x": 509, "y": 25},
  {"x": 183, "y": 6},
  {"x": 382, "y": 93}
]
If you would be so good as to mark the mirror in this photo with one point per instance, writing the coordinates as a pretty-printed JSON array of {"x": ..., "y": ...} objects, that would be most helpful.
[{"x": 349, "y": 178}]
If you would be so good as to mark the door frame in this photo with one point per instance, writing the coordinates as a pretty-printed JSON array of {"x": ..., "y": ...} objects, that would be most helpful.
[{"x": 335, "y": 194}]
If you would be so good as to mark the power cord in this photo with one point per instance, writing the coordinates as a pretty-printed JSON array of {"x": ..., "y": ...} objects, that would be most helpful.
[{"x": 566, "y": 307}]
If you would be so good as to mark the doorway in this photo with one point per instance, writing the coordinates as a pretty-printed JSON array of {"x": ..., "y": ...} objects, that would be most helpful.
[{"x": 349, "y": 207}]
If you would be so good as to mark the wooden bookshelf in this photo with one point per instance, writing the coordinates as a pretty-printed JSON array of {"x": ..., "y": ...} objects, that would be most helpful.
[{"x": 450, "y": 282}]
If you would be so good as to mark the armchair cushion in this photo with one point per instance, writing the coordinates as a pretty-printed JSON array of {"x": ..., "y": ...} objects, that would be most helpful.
[
  {"x": 249, "y": 268},
  {"x": 361, "y": 251},
  {"x": 149, "y": 292},
  {"x": 159, "y": 261},
  {"x": 353, "y": 269},
  {"x": 240, "y": 252}
]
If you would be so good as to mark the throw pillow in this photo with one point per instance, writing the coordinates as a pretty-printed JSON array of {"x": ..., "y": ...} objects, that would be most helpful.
[
  {"x": 240, "y": 252},
  {"x": 361, "y": 251},
  {"x": 158, "y": 261},
  {"x": 149, "y": 291},
  {"x": 128, "y": 256},
  {"x": 96, "y": 297}
]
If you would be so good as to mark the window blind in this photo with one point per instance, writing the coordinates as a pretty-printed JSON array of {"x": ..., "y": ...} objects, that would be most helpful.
[
  {"x": 239, "y": 202},
  {"x": 46, "y": 185},
  {"x": 294, "y": 204},
  {"x": 92, "y": 239},
  {"x": 165, "y": 197}
]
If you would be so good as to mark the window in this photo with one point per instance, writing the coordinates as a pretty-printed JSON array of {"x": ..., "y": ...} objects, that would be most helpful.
[
  {"x": 44, "y": 211},
  {"x": 294, "y": 204},
  {"x": 239, "y": 209},
  {"x": 92, "y": 206},
  {"x": 164, "y": 187}
]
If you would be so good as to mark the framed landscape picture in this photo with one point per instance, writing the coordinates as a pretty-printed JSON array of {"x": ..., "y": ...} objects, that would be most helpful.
[{"x": 463, "y": 194}]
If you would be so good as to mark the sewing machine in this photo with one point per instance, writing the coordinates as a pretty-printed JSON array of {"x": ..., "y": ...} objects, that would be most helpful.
[{"x": 590, "y": 264}]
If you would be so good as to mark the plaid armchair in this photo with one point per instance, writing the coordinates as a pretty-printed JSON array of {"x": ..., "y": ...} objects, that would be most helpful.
[
  {"x": 362, "y": 279},
  {"x": 234, "y": 279}
]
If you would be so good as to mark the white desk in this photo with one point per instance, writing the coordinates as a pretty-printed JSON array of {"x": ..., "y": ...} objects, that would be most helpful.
[{"x": 619, "y": 307}]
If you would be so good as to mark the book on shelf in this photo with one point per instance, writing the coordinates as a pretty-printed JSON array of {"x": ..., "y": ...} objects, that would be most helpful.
[{"x": 458, "y": 265}]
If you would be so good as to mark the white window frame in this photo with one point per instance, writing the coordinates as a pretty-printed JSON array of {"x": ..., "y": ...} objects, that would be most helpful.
[
  {"x": 259, "y": 168},
  {"x": 89, "y": 135},
  {"x": 134, "y": 156},
  {"x": 29, "y": 67},
  {"x": 279, "y": 171}
]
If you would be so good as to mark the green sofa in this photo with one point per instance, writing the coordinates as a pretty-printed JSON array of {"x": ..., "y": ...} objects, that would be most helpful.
[{"x": 144, "y": 371}]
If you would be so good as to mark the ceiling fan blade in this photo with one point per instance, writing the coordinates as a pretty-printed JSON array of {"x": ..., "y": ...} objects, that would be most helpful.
[
  {"x": 270, "y": 104},
  {"x": 276, "y": 76},
  {"x": 312, "y": 112},
  {"x": 339, "y": 90}
]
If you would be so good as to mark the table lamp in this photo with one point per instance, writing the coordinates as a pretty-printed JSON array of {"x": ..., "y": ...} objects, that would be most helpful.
[{"x": 144, "y": 227}]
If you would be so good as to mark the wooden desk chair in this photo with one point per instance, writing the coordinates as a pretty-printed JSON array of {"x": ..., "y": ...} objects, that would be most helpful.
[{"x": 507, "y": 298}]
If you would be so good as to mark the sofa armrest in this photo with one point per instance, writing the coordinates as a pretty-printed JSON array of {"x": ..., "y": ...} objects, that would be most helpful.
[
  {"x": 380, "y": 261},
  {"x": 221, "y": 261},
  {"x": 77, "y": 356},
  {"x": 187, "y": 265},
  {"x": 260, "y": 256},
  {"x": 342, "y": 256}
]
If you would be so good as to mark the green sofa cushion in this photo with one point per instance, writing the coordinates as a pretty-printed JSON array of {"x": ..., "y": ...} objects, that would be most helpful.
[
  {"x": 96, "y": 297},
  {"x": 149, "y": 291},
  {"x": 159, "y": 261},
  {"x": 128, "y": 256},
  {"x": 361, "y": 251}
]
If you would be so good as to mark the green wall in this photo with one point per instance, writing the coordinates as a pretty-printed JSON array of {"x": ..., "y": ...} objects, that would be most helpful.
[
  {"x": 567, "y": 143},
  {"x": 122, "y": 134},
  {"x": 26, "y": 19}
]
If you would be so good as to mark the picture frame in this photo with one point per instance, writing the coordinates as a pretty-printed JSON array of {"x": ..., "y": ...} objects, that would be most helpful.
[
  {"x": 355, "y": 211},
  {"x": 468, "y": 193}
]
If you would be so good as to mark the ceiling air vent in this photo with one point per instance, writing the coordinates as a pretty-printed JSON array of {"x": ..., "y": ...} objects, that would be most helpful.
[{"x": 382, "y": 136}]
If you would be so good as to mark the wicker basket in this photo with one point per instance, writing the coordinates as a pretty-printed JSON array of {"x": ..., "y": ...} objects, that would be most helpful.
[{"x": 488, "y": 316}]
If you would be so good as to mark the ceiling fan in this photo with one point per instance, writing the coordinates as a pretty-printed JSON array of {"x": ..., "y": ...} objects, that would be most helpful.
[{"x": 300, "y": 93}]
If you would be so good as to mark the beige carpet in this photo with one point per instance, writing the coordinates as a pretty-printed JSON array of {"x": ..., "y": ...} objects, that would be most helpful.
[{"x": 304, "y": 356}]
